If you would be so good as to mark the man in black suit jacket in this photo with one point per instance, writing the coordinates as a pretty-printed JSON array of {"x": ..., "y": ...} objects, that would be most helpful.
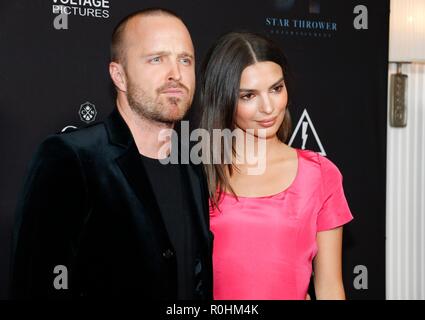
[{"x": 99, "y": 214}]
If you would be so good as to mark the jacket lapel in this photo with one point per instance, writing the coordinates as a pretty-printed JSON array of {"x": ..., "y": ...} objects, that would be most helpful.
[
  {"x": 198, "y": 201},
  {"x": 132, "y": 167},
  {"x": 135, "y": 173}
]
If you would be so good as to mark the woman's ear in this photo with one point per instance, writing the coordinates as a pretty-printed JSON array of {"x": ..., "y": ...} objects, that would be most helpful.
[{"x": 118, "y": 76}]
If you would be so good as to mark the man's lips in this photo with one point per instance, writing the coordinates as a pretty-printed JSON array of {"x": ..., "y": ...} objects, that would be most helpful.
[
  {"x": 173, "y": 88},
  {"x": 179, "y": 91}
]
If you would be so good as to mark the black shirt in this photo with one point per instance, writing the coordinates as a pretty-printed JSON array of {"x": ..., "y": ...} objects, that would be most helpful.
[{"x": 172, "y": 198}]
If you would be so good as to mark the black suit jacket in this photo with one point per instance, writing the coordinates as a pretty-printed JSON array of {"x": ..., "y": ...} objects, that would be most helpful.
[{"x": 87, "y": 205}]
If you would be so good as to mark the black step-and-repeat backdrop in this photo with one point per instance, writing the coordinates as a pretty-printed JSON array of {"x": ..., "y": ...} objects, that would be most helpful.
[{"x": 54, "y": 74}]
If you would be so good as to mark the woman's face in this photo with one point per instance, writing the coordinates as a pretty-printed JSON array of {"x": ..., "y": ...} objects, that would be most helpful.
[{"x": 262, "y": 98}]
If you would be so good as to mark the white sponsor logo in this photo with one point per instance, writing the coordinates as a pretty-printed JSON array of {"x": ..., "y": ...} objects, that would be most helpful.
[
  {"x": 305, "y": 123},
  {"x": 83, "y": 8},
  {"x": 65, "y": 129},
  {"x": 87, "y": 112}
]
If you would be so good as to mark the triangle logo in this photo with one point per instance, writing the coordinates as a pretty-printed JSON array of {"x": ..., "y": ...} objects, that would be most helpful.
[{"x": 305, "y": 130}]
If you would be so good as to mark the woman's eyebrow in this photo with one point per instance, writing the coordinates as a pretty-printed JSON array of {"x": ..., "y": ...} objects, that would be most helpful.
[
  {"x": 276, "y": 83},
  {"x": 253, "y": 90}
]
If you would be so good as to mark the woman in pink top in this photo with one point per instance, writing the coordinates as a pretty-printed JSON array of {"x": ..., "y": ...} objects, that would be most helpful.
[{"x": 273, "y": 222}]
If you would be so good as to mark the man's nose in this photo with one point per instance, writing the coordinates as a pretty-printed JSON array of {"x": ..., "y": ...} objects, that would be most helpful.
[{"x": 174, "y": 72}]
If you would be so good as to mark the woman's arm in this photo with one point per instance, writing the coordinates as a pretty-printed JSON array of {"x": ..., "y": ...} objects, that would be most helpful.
[{"x": 327, "y": 266}]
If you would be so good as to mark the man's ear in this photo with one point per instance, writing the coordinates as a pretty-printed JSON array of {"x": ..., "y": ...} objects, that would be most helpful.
[{"x": 118, "y": 76}]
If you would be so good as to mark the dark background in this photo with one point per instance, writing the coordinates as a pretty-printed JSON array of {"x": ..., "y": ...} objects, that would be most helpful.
[{"x": 340, "y": 78}]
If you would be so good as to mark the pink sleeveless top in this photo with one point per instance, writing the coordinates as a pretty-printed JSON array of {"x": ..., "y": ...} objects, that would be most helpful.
[{"x": 264, "y": 246}]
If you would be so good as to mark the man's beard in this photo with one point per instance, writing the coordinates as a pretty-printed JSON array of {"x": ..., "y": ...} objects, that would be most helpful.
[{"x": 146, "y": 106}]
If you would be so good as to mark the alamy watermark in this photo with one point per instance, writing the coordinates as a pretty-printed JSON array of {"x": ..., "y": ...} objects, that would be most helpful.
[{"x": 221, "y": 146}]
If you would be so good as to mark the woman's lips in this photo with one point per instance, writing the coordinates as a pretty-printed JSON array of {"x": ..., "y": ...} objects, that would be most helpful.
[{"x": 267, "y": 122}]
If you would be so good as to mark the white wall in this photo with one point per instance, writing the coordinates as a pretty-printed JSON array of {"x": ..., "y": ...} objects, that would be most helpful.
[{"x": 405, "y": 246}]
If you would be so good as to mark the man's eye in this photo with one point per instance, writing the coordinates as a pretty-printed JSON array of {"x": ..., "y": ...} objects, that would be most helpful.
[
  {"x": 247, "y": 96},
  {"x": 186, "y": 61},
  {"x": 155, "y": 59}
]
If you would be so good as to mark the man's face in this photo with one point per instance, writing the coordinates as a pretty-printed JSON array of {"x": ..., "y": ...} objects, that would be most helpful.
[{"x": 160, "y": 68}]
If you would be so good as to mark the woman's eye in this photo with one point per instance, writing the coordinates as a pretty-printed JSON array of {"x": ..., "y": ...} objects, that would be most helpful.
[
  {"x": 247, "y": 96},
  {"x": 278, "y": 88}
]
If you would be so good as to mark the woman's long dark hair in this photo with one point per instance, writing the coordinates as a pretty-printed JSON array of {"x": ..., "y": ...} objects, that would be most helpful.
[{"x": 220, "y": 76}]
